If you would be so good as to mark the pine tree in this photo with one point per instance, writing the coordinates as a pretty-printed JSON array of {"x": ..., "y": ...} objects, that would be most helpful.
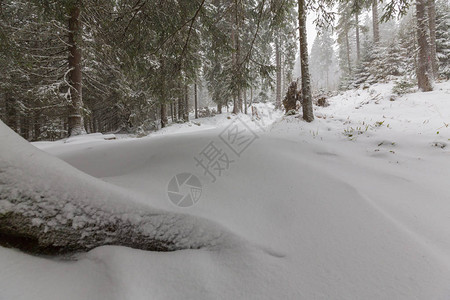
[
  {"x": 322, "y": 60},
  {"x": 308, "y": 114},
  {"x": 375, "y": 22},
  {"x": 75, "y": 122},
  {"x": 443, "y": 38},
  {"x": 343, "y": 30},
  {"x": 431, "y": 11},
  {"x": 424, "y": 69}
]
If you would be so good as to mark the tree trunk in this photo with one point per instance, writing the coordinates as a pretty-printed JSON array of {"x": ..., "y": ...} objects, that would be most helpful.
[
  {"x": 180, "y": 103},
  {"x": 219, "y": 107},
  {"x": 358, "y": 46},
  {"x": 24, "y": 126},
  {"x": 283, "y": 75},
  {"x": 36, "y": 124},
  {"x": 347, "y": 44},
  {"x": 186, "y": 104},
  {"x": 11, "y": 111},
  {"x": 375, "y": 22},
  {"x": 245, "y": 101},
  {"x": 278, "y": 69},
  {"x": 308, "y": 114},
  {"x": 163, "y": 115},
  {"x": 237, "y": 101},
  {"x": 174, "y": 104},
  {"x": 424, "y": 70},
  {"x": 75, "y": 120},
  {"x": 195, "y": 101},
  {"x": 432, "y": 26}
]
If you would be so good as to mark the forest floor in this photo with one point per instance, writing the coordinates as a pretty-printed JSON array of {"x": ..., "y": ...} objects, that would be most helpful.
[{"x": 355, "y": 205}]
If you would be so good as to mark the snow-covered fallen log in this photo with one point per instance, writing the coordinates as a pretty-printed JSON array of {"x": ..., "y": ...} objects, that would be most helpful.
[{"x": 49, "y": 207}]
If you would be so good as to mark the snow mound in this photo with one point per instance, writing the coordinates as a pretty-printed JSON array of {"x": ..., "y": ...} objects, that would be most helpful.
[{"x": 63, "y": 203}]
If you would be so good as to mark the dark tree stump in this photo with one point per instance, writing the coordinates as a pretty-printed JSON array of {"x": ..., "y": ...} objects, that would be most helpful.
[{"x": 291, "y": 98}]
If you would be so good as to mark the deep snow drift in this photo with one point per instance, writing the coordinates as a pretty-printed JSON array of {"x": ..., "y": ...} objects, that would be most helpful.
[
  {"x": 53, "y": 194},
  {"x": 355, "y": 205}
]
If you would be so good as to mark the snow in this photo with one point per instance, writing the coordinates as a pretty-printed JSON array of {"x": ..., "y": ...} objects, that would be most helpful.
[
  {"x": 52, "y": 194},
  {"x": 355, "y": 205}
]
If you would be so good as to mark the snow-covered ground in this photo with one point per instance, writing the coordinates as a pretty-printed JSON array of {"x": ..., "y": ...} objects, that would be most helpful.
[{"x": 355, "y": 205}]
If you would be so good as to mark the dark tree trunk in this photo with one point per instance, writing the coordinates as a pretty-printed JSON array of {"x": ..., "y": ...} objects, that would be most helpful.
[
  {"x": 432, "y": 26},
  {"x": 186, "y": 103},
  {"x": 163, "y": 115},
  {"x": 95, "y": 125},
  {"x": 219, "y": 107},
  {"x": 174, "y": 104},
  {"x": 24, "y": 126},
  {"x": 36, "y": 124},
  {"x": 237, "y": 101},
  {"x": 278, "y": 69},
  {"x": 283, "y": 76},
  {"x": 245, "y": 101},
  {"x": 11, "y": 111},
  {"x": 424, "y": 70},
  {"x": 308, "y": 114},
  {"x": 75, "y": 120},
  {"x": 180, "y": 103},
  {"x": 238, "y": 53},
  {"x": 375, "y": 22},
  {"x": 195, "y": 100}
]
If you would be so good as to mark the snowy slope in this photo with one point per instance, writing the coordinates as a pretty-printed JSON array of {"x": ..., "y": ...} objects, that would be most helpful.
[{"x": 338, "y": 211}]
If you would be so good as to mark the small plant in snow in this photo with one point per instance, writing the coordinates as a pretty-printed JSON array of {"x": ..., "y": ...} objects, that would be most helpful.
[
  {"x": 314, "y": 133},
  {"x": 352, "y": 133}
]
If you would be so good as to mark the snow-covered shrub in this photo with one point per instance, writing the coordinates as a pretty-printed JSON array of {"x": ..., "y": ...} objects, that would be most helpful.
[{"x": 403, "y": 86}]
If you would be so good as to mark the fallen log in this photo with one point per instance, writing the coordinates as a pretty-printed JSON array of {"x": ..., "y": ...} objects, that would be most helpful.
[{"x": 48, "y": 207}]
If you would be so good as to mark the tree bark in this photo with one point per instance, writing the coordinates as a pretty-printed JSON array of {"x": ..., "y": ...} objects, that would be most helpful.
[
  {"x": 36, "y": 124},
  {"x": 358, "y": 46},
  {"x": 24, "y": 126},
  {"x": 283, "y": 75},
  {"x": 308, "y": 114},
  {"x": 195, "y": 101},
  {"x": 278, "y": 70},
  {"x": 180, "y": 103},
  {"x": 163, "y": 115},
  {"x": 245, "y": 101},
  {"x": 375, "y": 22},
  {"x": 237, "y": 101},
  {"x": 75, "y": 120},
  {"x": 424, "y": 69},
  {"x": 186, "y": 104},
  {"x": 432, "y": 25},
  {"x": 174, "y": 116},
  {"x": 11, "y": 111}
]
